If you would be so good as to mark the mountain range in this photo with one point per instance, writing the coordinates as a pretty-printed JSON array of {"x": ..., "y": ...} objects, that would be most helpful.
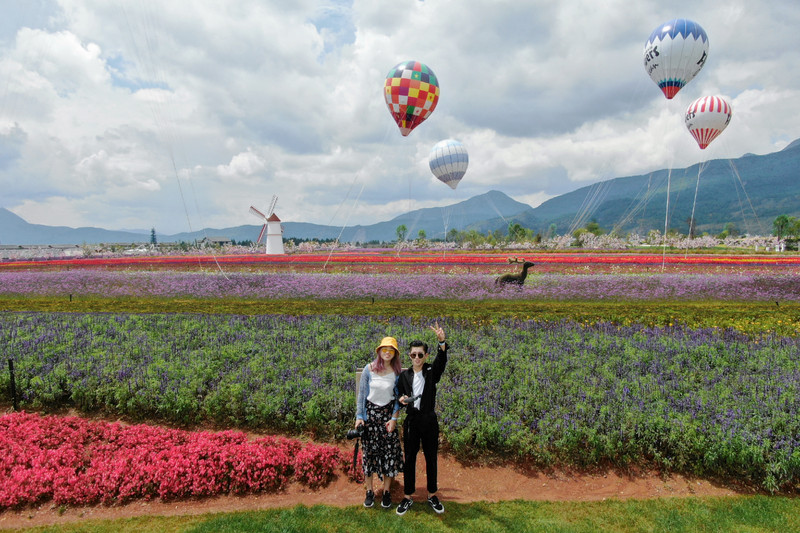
[{"x": 748, "y": 192}]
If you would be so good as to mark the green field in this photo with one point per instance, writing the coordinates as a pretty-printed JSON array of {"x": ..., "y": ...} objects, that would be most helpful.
[
  {"x": 751, "y": 317},
  {"x": 689, "y": 515},
  {"x": 704, "y": 387}
]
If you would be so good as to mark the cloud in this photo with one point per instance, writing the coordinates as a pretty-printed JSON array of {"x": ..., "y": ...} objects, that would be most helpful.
[
  {"x": 11, "y": 141},
  {"x": 180, "y": 113},
  {"x": 244, "y": 164}
]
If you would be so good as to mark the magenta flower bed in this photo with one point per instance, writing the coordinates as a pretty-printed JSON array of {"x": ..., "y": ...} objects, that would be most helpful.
[
  {"x": 74, "y": 461},
  {"x": 164, "y": 284},
  {"x": 390, "y": 255}
]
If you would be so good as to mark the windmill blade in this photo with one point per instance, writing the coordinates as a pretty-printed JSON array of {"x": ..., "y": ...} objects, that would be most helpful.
[
  {"x": 256, "y": 212},
  {"x": 263, "y": 230},
  {"x": 272, "y": 205}
]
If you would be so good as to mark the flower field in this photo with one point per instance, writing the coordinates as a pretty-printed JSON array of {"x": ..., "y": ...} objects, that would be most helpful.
[
  {"x": 619, "y": 287},
  {"x": 695, "y": 371},
  {"x": 389, "y": 260},
  {"x": 700, "y": 400},
  {"x": 73, "y": 461}
]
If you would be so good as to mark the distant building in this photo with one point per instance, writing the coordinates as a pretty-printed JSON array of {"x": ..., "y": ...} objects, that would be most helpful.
[
  {"x": 39, "y": 251},
  {"x": 214, "y": 241}
]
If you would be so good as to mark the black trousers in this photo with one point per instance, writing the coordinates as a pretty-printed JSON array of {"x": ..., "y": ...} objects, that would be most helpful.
[{"x": 420, "y": 429}]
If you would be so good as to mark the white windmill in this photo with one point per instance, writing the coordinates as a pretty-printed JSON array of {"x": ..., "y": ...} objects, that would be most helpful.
[{"x": 272, "y": 227}]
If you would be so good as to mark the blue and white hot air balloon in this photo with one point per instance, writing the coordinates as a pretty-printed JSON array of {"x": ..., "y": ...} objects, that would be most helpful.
[
  {"x": 674, "y": 54},
  {"x": 448, "y": 161}
]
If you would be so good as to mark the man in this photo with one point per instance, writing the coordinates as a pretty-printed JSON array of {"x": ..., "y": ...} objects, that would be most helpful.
[{"x": 417, "y": 392}]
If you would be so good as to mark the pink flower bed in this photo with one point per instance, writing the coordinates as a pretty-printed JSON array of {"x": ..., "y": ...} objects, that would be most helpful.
[
  {"x": 74, "y": 461},
  {"x": 426, "y": 258}
]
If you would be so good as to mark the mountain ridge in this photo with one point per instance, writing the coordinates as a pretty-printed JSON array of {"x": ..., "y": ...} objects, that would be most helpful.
[
  {"x": 749, "y": 192},
  {"x": 14, "y": 230}
]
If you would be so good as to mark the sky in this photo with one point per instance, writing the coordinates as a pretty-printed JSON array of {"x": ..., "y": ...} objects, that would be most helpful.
[{"x": 179, "y": 115}]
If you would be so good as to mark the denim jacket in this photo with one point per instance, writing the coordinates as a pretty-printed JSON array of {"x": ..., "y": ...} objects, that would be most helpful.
[{"x": 363, "y": 392}]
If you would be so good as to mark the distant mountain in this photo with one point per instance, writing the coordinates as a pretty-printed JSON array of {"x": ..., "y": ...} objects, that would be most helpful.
[
  {"x": 433, "y": 220},
  {"x": 792, "y": 145},
  {"x": 749, "y": 192},
  {"x": 15, "y": 230}
]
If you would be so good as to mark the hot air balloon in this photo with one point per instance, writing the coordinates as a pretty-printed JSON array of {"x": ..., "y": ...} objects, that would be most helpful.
[
  {"x": 448, "y": 161},
  {"x": 674, "y": 54},
  {"x": 706, "y": 117},
  {"x": 411, "y": 91}
]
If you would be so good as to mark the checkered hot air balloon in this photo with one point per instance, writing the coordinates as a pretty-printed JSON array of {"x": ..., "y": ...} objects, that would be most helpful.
[
  {"x": 411, "y": 92},
  {"x": 448, "y": 161},
  {"x": 706, "y": 117},
  {"x": 674, "y": 54}
]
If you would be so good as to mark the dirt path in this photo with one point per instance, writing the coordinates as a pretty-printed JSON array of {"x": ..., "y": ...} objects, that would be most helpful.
[{"x": 457, "y": 483}]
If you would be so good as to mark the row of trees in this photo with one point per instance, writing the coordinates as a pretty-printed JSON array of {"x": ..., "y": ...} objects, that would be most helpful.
[
  {"x": 786, "y": 229},
  {"x": 785, "y": 236}
]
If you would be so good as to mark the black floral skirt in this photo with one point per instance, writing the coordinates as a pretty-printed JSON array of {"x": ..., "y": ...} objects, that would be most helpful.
[{"x": 382, "y": 454}]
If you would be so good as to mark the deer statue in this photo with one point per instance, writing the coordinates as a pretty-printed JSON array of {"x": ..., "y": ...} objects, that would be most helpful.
[{"x": 516, "y": 279}]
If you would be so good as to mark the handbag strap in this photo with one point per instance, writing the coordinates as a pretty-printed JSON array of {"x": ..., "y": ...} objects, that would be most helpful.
[{"x": 355, "y": 456}]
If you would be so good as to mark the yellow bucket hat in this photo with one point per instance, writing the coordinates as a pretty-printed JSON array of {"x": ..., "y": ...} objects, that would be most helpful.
[{"x": 388, "y": 341}]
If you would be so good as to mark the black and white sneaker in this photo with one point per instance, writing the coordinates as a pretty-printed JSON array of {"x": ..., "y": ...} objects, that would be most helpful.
[
  {"x": 404, "y": 506},
  {"x": 386, "y": 500},
  {"x": 369, "y": 501},
  {"x": 435, "y": 504}
]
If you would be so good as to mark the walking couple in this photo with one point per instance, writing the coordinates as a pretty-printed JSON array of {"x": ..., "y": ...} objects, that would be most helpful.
[{"x": 384, "y": 389}]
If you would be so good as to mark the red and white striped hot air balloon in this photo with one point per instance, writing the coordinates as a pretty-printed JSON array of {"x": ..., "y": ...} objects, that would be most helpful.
[{"x": 707, "y": 117}]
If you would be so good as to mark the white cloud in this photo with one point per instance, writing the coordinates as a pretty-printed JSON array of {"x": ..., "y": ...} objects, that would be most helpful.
[
  {"x": 141, "y": 112},
  {"x": 244, "y": 164}
]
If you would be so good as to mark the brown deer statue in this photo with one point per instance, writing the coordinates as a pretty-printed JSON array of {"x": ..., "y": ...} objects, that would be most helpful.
[{"x": 515, "y": 279}]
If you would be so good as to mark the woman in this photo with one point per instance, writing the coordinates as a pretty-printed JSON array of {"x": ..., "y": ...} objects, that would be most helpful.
[{"x": 376, "y": 410}]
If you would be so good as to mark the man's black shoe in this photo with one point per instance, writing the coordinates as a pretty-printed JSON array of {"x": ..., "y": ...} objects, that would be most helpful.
[
  {"x": 404, "y": 506},
  {"x": 435, "y": 504}
]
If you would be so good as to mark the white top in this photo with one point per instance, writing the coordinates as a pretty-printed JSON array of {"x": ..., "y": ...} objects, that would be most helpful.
[
  {"x": 419, "y": 384},
  {"x": 381, "y": 388}
]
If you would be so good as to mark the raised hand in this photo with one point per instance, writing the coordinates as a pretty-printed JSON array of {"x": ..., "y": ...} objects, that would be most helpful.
[{"x": 438, "y": 330}]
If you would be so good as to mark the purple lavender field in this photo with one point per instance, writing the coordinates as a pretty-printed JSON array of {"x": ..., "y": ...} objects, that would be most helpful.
[
  {"x": 706, "y": 401},
  {"x": 555, "y": 287}
]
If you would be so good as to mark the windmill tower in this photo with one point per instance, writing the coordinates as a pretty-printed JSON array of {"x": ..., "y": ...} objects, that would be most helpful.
[{"x": 272, "y": 227}]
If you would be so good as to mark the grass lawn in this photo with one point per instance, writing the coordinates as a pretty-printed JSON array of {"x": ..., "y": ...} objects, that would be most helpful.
[{"x": 673, "y": 515}]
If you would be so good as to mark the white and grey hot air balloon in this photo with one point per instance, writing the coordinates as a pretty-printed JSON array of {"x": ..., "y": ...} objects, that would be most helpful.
[{"x": 448, "y": 161}]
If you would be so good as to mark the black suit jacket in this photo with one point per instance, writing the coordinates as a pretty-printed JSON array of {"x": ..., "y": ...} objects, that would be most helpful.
[{"x": 432, "y": 374}]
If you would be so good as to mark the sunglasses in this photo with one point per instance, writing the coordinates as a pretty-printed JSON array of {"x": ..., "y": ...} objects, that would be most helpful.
[{"x": 416, "y": 355}]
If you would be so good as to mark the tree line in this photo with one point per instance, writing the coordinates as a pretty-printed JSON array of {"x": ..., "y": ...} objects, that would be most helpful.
[{"x": 785, "y": 227}]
